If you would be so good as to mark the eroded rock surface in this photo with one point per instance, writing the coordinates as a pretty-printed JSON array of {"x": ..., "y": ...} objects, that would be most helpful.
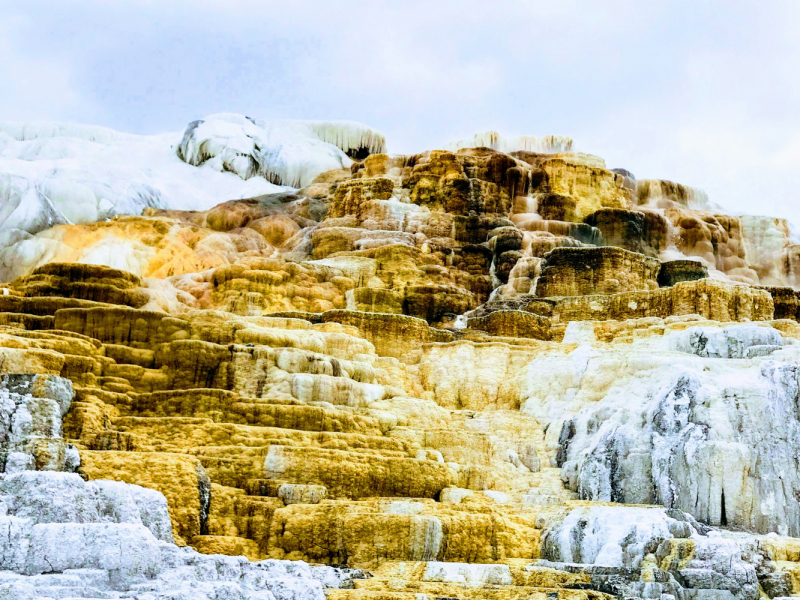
[
  {"x": 455, "y": 370},
  {"x": 63, "y": 537}
]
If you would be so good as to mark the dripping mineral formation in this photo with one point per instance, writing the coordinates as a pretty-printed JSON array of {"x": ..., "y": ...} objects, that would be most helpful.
[{"x": 266, "y": 360}]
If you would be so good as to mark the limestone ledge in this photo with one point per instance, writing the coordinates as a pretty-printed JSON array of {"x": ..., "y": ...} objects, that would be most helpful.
[
  {"x": 711, "y": 299},
  {"x": 457, "y": 369},
  {"x": 587, "y": 271}
]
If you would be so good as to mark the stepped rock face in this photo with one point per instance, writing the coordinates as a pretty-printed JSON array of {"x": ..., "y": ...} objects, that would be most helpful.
[
  {"x": 642, "y": 231},
  {"x": 63, "y": 537},
  {"x": 588, "y": 271},
  {"x": 707, "y": 298},
  {"x": 496, "y": 371},
  {"x": 586, "y": 181},
  {"x": 701, "y": 410},
  {"x": 30, "y": 425},
  {"x": 676, "y": 271}
]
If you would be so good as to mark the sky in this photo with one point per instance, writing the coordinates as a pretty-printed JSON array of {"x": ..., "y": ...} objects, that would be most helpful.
[{"x": 704, "y": 93}]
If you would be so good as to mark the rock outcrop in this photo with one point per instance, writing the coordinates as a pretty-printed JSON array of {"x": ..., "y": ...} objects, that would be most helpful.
[
  {"x": 33, "y": 407},
  {"x": 456, "y": 370},
  {"x": 588, "y": 271},
  {"x": 63, "y": 537},
  {"x": 694, "y": 451},
  {"x": 676, "y": 271}
]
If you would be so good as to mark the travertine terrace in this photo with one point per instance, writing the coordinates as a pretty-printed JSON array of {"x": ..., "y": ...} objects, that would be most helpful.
[{"x": 500, "y": 370}]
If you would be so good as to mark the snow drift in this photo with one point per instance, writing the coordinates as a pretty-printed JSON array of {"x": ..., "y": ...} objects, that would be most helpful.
[
  {"x": 56, "y": 173},
  {"x": 283, "y": 152}
]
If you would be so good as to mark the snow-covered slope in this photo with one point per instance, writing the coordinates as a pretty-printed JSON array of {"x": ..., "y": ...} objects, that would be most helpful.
[
  {"x": 703, "y": 420},
  {"x": 53, "y": 173},
  {"x": 284, "y": 152},
  {"x": 63, "y": 537},
  {"x": 81, "y": 174}
]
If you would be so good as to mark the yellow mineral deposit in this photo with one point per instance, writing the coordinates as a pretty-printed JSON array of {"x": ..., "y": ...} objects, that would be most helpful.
[{"x": 387, "y": 368}]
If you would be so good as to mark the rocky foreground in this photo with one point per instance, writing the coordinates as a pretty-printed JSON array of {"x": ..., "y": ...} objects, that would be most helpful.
[{"x": 485, "y": 373}]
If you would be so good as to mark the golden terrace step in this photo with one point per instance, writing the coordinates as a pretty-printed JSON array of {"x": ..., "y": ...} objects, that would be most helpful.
[
  {"x": 122, "y": 325},
  {"x": 507, "y": 580},
  {"x": 82, "y": 281},
  {"x": 367, "y": 533},
  {"x": 371, "y": 595},
  {"x": 192, "y": 432},
  {"x": 483, "y": 593},
  {"x": 232, "y": 513},
  {"x": 468, "y": 590},
  {"x": 233, "y": 466},
  {"x": 517, "y": 572},
  {"x": 44, "y": 305},
  {"x": 228, "y": 407},
  {"x": 344, "y": 474},
  {"x": 245, "y": 367},
  {"x": 260, "y": 452},
  {"x": 231, "y": 472},
  {"x": 25, "y": 321},
  {"x": 115, "y": 384},
  {"x": 455, "y": 445},
  {"x": 289, "y": 493},
  {"x": 230, "y": 545},
  {"x": 347, "y": 474}
]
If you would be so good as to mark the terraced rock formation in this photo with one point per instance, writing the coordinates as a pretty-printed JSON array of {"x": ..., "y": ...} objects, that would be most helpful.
[{"x": 500, "y": 372}]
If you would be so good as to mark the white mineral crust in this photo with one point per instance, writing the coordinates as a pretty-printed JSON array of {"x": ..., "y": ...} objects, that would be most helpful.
[{"x": 62, "y": 537}]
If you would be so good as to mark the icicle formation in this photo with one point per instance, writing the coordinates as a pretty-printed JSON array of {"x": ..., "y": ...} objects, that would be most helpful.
[
  {"x": 549, "y": 144},
  {"x": 354, "y": 139},
  {"x": 283, "y": 152}
]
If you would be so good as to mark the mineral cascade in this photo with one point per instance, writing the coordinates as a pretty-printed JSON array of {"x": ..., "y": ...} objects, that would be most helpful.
[{"x": 269, "y": 361}]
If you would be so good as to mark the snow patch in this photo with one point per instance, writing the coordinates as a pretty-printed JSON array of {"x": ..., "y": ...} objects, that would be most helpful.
[
  {"x": 283, "y": 152},
  {"x": 61, "y": 173},
  {"x": 703, "y": 420}
]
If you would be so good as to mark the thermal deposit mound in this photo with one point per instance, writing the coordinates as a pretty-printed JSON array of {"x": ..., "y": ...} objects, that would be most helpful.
[{"x": 266, "y": 360}]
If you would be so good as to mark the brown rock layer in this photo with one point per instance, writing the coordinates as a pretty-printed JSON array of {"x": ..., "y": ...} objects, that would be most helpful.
[
  {"x": 340, "y": 375},
  {"x": 585, "y": 271},
  {"x": 711, "y": 299}
]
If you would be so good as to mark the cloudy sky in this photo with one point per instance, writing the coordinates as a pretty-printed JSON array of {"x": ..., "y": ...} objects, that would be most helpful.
[{"x": 701, "y": 92}]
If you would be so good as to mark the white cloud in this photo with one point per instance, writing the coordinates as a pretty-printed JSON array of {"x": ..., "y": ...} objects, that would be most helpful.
[
  {"x": 701, "y": 93},
  {"x": 34, "y": 87}
]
